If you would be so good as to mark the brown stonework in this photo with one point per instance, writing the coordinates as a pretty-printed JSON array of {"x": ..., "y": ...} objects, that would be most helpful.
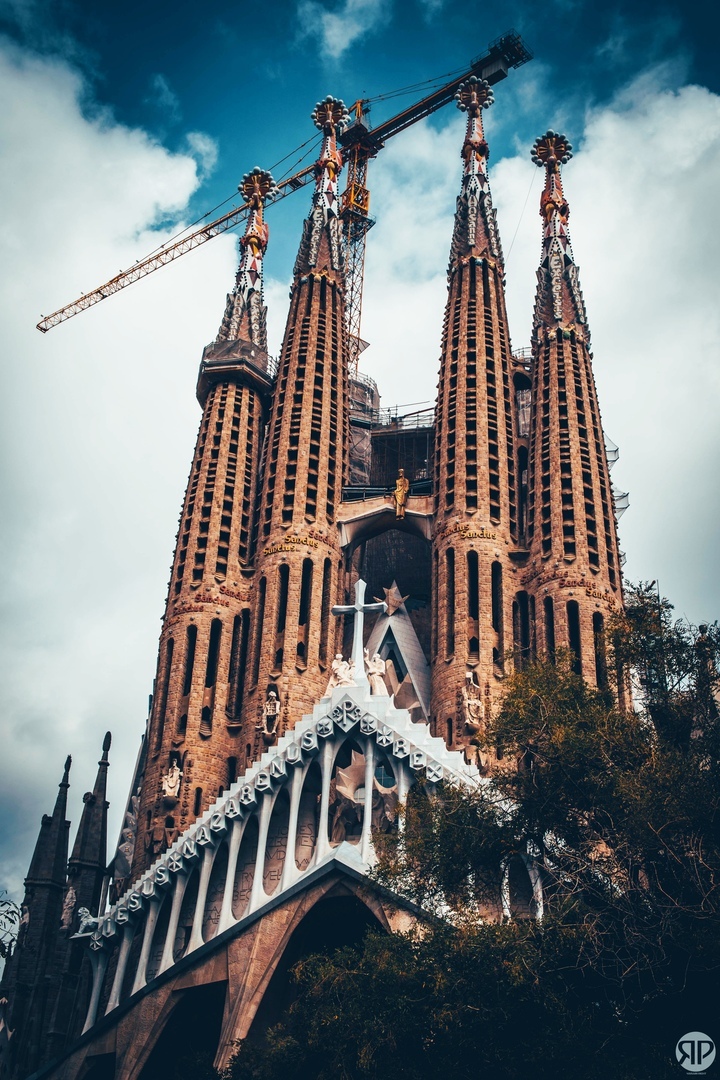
[
  {"x": 298, "y": 557},
  {"x": 476, "y": 522},
  {"x": 574, "y": 567}
]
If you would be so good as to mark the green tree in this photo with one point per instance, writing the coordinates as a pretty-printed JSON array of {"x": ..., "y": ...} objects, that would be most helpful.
[{"x": 619, "y": 814}]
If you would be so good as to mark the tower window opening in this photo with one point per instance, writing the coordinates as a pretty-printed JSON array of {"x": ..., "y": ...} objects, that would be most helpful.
[
  {"x": 600, "y": 653},
  {"x": 573, "y": 620},
  {"x": 496, "y": 592},
  {"x": 213, "y": 653},
  {"x": 260, "y": 618},
  {"x": 325, "y": 610},
  {"x": 473, "y": 609},
  {"x": 197, "y": 805},
  {"x": 521, "y": 630},
  {"x": 163, "y": 699},
  {"x": 181, "y": 726},
  {"x": 283, "y": 581},
  {"x": 549, "y": 613},
  {"x": 449, "y": 731},
  {"x": 190, "y": 643},
  {"x": 206, "y": 721},
  {"x": 450, "y": 605},
  {"x": 232, "y": 763}
]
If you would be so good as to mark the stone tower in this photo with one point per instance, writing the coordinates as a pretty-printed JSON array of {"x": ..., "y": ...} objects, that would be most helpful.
[
  {"x": 298, "y": 559},
  {"x": 194, "y": 729},
  {"x": 574, "y": 569},
  {"x": 476, "y": 519}
]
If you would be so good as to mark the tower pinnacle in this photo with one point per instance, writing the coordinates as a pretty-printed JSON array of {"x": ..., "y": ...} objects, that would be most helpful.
[
  {"x": 321, "y": 246},
  {"x": 560, "y": 300},
  {"x": 475, "y": 227},
  {"x": 245, "y": 313}
]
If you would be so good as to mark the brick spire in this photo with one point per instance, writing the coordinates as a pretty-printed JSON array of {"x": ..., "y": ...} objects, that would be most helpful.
[
  {"x": 574, "y": 559},
  {"x": 194, "y": 723},
  {"x": 298, "y": 548},
  {"x": 475, "y": 499}
]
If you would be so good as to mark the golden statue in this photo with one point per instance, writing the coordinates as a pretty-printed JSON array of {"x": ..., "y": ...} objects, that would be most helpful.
[{"x": 400, "y": 494}]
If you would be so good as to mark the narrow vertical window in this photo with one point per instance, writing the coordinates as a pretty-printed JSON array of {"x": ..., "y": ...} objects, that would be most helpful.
[
  {"x": 190, "y": 643},
  {"x": 163, "y": 698},
  {"x": 521, "y": 630},
  {"x": 197, "y": 805},
  {"x": 231, "y": 770},
  {"x": 450, "y": 605},
  {"x": 549, "y": 613},
  {"x": 325, "y": 610},
  {"x": 600, "y": 653},
  {"x": 449, "y": 731},
  {"x": 496, "y": 592},
  {"x": 304, "y": 613},
  {"x": 259, "y": 620},
  {"x": 473, "y": 608},
  {"x": 573, "y": 620},
  {"x": 213, "y": 653}
]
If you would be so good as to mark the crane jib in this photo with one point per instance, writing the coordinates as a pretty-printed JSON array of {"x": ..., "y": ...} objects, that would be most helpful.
[{"x": 360, "y": 144}]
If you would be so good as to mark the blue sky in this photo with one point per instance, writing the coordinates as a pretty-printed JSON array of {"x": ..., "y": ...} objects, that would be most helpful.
[{"x": 123, "y": 123}]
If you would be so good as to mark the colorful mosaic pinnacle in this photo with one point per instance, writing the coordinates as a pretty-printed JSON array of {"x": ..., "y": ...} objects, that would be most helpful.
[
  {"x": 330, "y": 116},
  {"x": 255, "y": 188},
  {"x": 472, "y": 97}
]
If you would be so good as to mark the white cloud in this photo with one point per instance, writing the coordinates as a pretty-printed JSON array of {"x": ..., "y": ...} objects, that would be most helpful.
[
  {"x": 338, "y": 30},
  {"x": 204, "y": 149},
  {"x": 164, "y": 97},
  {"x": 96, "y": 427}
]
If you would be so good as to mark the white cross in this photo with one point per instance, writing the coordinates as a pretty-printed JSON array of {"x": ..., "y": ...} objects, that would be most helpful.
[{"x": 359, "y": 608}]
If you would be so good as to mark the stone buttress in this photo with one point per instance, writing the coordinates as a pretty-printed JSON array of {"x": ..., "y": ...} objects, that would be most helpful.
[{"x": 574, "y": 569}]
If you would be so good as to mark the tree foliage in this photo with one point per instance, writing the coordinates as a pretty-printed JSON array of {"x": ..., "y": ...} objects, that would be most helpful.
[
  {"x": 9, "y": 924},
  {"x": 618, "y": 812}
]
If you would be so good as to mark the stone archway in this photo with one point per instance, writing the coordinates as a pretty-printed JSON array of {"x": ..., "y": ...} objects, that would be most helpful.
[{"x": 336, "y": 920}]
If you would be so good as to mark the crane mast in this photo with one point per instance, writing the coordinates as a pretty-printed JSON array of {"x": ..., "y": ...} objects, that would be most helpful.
[{"x": 359, "y": 144}]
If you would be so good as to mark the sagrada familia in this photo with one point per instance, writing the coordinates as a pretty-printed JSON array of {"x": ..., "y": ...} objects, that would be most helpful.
[{"x": 349, "y": 592}]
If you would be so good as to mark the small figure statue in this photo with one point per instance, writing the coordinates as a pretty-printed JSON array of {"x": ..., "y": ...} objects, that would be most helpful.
[
  {"x": 270, "y": 717},
  {"x": 341, "y": 673},
  {"x": 171, "y": 781},
  {"x": 400, "y": 494},
  {"x": 68, "y": 908},
  {"x": 155, "y": 838},
  {"x": 375, "y": 669},
  {"x": 472, "y": 704},
  {"x": 88, "y": 922}
]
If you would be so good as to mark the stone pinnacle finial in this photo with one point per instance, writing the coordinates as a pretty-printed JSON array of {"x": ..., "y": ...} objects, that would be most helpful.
[
  {"x": 551, "y": 151},
  {"x": 256, "y": 187},
  {"x": 107, "y": 742},
  {"x": 66, "y": 773},
  {"x": 330, "y": 115},
  {"x": 474, "y": 95},
  {"x": 562, "y": 301}
]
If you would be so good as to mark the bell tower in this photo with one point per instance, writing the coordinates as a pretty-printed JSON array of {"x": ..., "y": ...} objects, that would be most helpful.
[
  {"x": 574, "y": 570},
  {"x": 298, "y": 560},
  {"x": 476, "y": 522},
  {"x": 194, "y": 748}
]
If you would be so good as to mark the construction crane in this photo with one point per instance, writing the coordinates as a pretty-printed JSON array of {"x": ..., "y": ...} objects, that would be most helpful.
[{"x": 360, "y": 143}]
